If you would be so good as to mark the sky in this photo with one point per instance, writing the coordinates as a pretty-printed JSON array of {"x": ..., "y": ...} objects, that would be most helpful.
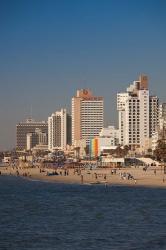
[{"x": 49, "y": 49}]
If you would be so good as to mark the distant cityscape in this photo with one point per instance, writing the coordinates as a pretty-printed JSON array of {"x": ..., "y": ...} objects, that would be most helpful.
[
  {"x": 83, "y": 125},
  {"x": 141, "y": 119}
]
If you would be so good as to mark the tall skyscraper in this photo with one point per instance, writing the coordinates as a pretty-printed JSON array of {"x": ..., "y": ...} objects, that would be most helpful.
[
  {"x": 59, "y": 127},
  {"x": 87, "y": 115},
  {"x": 29, "y": 126},
  {"x": 133, "y": 107}
]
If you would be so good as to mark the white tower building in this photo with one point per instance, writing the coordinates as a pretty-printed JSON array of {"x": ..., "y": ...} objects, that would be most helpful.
[
  {"x": 57, "y": 130},
  {"x": 133, "y": 107}
]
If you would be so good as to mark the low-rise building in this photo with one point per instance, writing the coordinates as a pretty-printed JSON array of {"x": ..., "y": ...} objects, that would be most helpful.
[
  {"x": 110, "y": 132},
  {"x": 98, "y": 145},
  {"x": 36, "y": 138},
  {"x": 108, "y": 139}
]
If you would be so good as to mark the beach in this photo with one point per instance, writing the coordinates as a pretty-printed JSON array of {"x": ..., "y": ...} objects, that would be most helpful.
[{"x": 130, "y": 176}]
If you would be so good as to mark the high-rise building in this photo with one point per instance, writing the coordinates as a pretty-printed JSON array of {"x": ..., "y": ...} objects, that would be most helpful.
[
  {"x": 59, "y": 130},
  {"x": 87, "y": 115},
  {"x": 133, "y": 107},
  {"x": 29, "y": 126},
  {"x": 153, "y": 114}
]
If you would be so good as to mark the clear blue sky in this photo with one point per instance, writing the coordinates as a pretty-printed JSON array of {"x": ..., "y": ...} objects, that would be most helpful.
[{"x": 48, "y": 49}]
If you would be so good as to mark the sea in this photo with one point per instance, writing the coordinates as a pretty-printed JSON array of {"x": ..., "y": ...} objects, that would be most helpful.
[{"x": 36, "y": 215}]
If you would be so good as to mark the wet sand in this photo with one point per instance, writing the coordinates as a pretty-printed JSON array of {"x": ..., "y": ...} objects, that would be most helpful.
[{"x": 97, "y": 176}]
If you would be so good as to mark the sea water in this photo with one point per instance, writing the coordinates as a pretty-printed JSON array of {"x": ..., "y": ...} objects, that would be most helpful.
[{"x": 41, "y": 215}]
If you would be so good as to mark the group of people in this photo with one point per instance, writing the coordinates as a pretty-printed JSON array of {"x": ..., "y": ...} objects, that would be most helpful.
[
  {"x": 126, "y": 176},
  {"x": 65, "y": 172}
]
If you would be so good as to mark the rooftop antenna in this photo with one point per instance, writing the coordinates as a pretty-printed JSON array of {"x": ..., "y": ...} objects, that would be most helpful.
[
  {"x": 29, "y": 119},
  {"x": 31, "y": 113}
]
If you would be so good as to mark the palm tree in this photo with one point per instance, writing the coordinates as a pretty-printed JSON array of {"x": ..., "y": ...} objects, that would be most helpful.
[
  {"x": 121, "y": 152},
  {"x": 160, "y": 151}
]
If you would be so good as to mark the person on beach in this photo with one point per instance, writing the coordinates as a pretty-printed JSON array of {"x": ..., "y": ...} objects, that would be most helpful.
[
  {"x": 82, "y": 179},
  {"x": 95, "y": 176}
]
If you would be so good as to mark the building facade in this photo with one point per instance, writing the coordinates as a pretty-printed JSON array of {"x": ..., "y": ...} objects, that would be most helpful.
[
  {"x": 110, "y": 132},
  {"x": 153, "y": 114},
  {"x": 160, "y": 134},
  {"x": 162, "y": 111},
  {"x": 59, "y": 127},
  {"x": 99, "y": 144},
  {"x": 36, "y": 138},
  {"x": 29, "y": 126},
  {"x": 32, "y": 140},
  {"x": 87, "y": 115},
  {"x": 108, "y": 139},
  {"x": 133, "y": 108}
]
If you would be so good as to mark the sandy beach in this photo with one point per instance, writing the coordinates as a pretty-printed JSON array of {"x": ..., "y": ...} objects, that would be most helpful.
[{"x": 152, "y": 177}]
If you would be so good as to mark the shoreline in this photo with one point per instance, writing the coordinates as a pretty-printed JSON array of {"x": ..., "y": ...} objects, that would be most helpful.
[
  {"x": 99, "y": 184},
  {"x": 150, "y": 178},
  {"x": 90, "y": 184}
]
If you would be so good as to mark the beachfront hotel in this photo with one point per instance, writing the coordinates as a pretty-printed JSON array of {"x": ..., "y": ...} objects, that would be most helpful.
[
  {"x": 59, "y": 130},
  {"x": 24, "y": 128},
  {"x": 138, "y": 114},
  {"x": 87, "y": 115},
  {"x": 133, "y": 108}
]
